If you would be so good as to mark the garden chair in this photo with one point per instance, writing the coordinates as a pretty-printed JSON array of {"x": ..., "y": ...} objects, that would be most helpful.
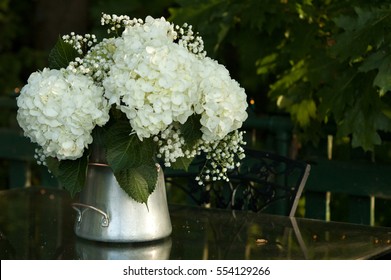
[{"x": 264, "y": 182}]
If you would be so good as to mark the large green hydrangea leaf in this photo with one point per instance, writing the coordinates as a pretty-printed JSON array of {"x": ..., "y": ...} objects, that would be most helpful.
[
  {"x": 61, "y": 55},
  {"x": 72, "y": 174},
  {"x": 125, "y": 149},
  {"x": 138, "y": 182},
  {"x": 132, "y": 161}
]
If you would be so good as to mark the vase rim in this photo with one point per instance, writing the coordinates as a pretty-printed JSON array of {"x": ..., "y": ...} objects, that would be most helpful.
[{"x": 98, "y": 164}]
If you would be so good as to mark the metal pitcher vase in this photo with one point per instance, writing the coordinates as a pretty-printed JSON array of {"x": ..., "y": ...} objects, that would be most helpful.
[{"x": 105, "y": 212}]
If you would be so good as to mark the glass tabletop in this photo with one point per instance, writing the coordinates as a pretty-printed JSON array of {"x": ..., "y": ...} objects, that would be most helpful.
[{"x": 37, "y": 223}]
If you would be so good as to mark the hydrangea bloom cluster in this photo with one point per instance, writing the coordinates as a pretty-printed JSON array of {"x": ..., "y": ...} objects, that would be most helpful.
[
  {"x": 153, "y": 72},
  {"x": 223, "y": 102},
  {"x": 58, "y": 110},
  {"x": 152, "y": 79}
]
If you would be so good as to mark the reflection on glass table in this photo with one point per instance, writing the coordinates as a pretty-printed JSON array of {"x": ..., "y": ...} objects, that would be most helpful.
[{"x": 38, "y": 224}]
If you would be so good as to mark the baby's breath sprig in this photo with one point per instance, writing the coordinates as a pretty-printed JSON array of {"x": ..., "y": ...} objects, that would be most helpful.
[
  {"x": 118, "y": 23},
  {"x": 96, "y": 63},
  {"x": 192, "y": 42},
  {"x": 40, "y": 157},
  {"x": 170, "y": 145},
  {"x": 81, "y": 43},
  {"x": 221, "y": 157}
]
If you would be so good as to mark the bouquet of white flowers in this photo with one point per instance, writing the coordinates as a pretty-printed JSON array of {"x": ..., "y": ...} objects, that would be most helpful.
[{"x": 146, "y": 93}]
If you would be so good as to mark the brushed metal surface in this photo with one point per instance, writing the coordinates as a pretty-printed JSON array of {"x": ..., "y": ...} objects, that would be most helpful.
[{"x": 128, "y": 220}]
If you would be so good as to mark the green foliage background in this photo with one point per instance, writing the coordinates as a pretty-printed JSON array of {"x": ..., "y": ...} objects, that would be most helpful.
[
  {"x": 326, "y": 63},
  {"x": 18, "y": 57}
]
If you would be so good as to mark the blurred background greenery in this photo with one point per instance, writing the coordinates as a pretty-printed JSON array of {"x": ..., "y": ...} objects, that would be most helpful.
[{"x": 324, "y": 66}]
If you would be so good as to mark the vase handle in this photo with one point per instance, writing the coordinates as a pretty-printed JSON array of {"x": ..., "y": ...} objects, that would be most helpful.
[{"x": 105, "y": 217}]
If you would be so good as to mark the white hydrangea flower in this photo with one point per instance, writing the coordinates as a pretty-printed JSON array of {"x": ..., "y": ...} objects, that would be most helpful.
[
  {"x": 223, "y": 102},
  {"x": 58, "y": 110},
  {"x": 152, "y": 79}
]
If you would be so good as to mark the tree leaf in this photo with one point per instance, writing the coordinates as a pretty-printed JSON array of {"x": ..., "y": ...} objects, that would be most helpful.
[
  {"x": 72, "y": 174},
  {"x": 303, "y": 112},
  {"x": 138, "y": 182},
  {"x": 361, "y": 31},
  {"x": 372, "y": 62},
  {"x": 266, "y": 64},
  {"x": 381, "y": 62},
  {"x": 363, "y": 121},
  {"x": 365, "y": 138},
  {"x": 61, "y": 55}
]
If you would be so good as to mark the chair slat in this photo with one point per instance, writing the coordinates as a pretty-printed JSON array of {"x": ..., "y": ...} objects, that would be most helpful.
[
  {"x": 316, "y": 205},
  {"x": 361, "y": 210}
]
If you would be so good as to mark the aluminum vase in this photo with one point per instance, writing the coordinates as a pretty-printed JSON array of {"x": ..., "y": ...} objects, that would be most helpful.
[{"x": 105, "y": 212}]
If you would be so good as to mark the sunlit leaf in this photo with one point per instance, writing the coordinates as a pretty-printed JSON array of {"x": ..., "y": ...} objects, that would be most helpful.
[
  {"x": 138, "y": 182},
  {"x": 303, "y": 112}
]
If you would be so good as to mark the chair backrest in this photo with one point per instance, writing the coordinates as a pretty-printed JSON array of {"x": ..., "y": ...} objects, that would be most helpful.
[
  {"x": 359, "y": 183},
  {"x": 264, "y": 182}
]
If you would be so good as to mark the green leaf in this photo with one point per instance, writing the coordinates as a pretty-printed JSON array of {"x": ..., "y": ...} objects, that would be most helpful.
[
  {"x": 296, "y": 74},
  {"x": 363, "y": 121},
  {"x": 266, "y": 64},
  {"x": 182, "y": 163},
  {"x": 366, "y": 29},
  {"x": 383, "y": 77},
  {"x": 138, "y": 182},
  {"x": 303, "y": 112},
  {"x": 381, "y": 62},
  {"x": 365, "y": 138},
  {"x": 132, "y": 161},
  {"x": 372, "y": 62},
  {"x": 387, "y": 114},
  {"x": 212, "y": 18},
  {"x": 53, "y": 165},
  {"x": 191, "y": 131},
  {"x": 72, "y": 174},
  {"x": 61, "y": 55},
  {"x": 125, "y": 149}
]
